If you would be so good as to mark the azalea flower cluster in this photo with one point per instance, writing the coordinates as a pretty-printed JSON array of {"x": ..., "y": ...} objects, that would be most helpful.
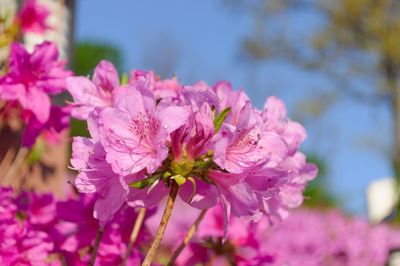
[
  {"x": 27, "y": 87},
  {"x": 36, "y": 229},
  {"x": 150, "y": 134},
  {"x": 307, "y": 237}
]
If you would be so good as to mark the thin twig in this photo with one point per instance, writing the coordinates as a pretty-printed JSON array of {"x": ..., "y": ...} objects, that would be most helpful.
[
  {"x": 7, "y": 160},
  {"x": 18, "y": 161},
  {"x": 163, "y": 224},
  {"x": 96, "y": 246},
  {"x": 187, "y": 238},
  {"x": 134, "y": 234}
]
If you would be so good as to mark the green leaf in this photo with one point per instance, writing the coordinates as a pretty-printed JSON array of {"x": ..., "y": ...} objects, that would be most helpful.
[
  {"x": 220, "y": 119},
  {"x": 141, "y": 184},
  {"x": 36, "y": 152},
  {"x": 124, "y": 79}
]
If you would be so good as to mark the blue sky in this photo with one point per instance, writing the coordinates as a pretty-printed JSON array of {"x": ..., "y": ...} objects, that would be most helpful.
[{"x": 203, "y": 37}]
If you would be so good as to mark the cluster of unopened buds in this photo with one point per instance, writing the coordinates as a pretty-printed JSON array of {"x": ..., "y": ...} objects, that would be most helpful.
[{"x": 151, "y": 138}]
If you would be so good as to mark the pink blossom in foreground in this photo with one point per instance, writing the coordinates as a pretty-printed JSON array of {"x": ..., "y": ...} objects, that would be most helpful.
[{"x": 32, "y": 17}]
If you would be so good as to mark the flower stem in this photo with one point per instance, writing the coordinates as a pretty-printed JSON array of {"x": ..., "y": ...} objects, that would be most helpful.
[
  {"x": 6, "y": 162},
  {"x": 163, "y": 224},
  {"x": 96, "y": 246},
  {"x": 187, "y": 238},
  {"x": 134, "y": 234},
  {"x": 18, "y": 161}
]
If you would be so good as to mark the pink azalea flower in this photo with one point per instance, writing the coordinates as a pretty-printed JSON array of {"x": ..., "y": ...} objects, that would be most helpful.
[
  {"x": 32, "y": 17},
  {"x": 212, "y": 139},
  {"x": 281, "y": 188},
  {"x": 227, "y": 97},
  {"x": 51, "y": 130},
  {"x": 236, "y": 197},
  {"x": 164, "y": 90},
  {"x": 96, "y": 176},
  {"x": 32, "y": 77},
  {"x": 247, "y": 144},
  {"x": 134, "y": 135},
  {"x": 100, "y": 92},
  {"x": 274, "y": 116},
  {"x": 194, "y": 138}
]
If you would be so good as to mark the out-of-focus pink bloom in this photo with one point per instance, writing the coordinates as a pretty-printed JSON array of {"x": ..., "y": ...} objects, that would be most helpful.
[
  {"x": 51, "y": 130},
  {"x": 100, "y": 92},
  {"x": 32, "y": 77},
  {"x": 23, "y": 242},
  {"x": 37, "y": 230},
  {"x": 318, "y": 238},
  {"x": 40, "y": 208},
  {"x": 7, "y": 207},
  {"x": 32, "y": 17},
  {"x": 242, "y": 246},
  {"x": 21, "y": 246},
  {"x": 78, "y": 229},
  {"x": 306, "y": 238}
]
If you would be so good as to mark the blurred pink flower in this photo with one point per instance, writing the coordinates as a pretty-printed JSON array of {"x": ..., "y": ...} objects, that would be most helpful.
[
  {"x": 30, "y": 81},
  {"x": 33, "y": 77},
  {"x": 307, "y": 237},
  {"x": 51, "y": 129},
  {"x": 32, "y": 17}
]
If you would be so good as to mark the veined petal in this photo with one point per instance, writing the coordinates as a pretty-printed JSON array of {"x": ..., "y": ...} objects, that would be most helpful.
[
  {"x": 106, "y": 76},
  {"x": 172, "y": 117}
]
